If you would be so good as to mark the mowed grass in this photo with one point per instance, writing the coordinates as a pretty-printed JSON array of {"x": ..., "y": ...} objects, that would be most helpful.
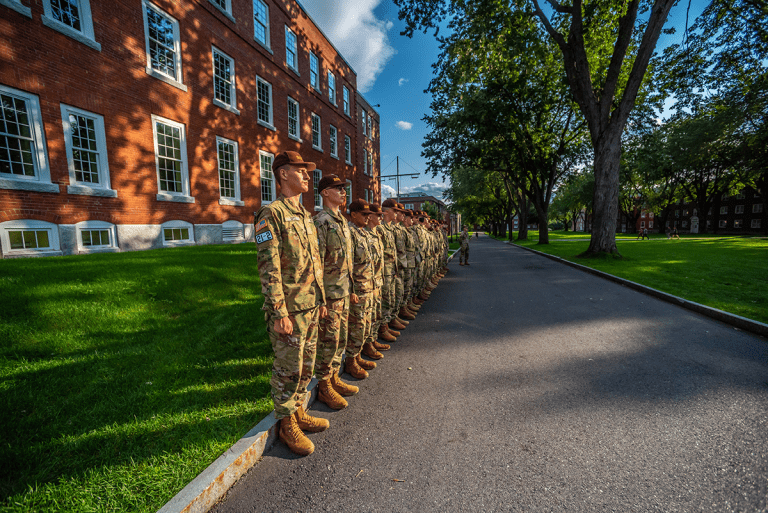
[
  {"x": 124, "y": 375},
  {"x": 727, "y": 273}
]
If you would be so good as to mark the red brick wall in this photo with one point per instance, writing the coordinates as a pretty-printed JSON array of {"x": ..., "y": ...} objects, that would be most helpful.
[{"x": 114, "y": 84}]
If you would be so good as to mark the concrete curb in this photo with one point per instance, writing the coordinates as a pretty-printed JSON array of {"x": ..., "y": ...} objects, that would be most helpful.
[
  {"x": 211, "y": 484},
  {"x": 737, "y": 321}
]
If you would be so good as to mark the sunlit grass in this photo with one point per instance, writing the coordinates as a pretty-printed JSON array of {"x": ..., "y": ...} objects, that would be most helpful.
[
  {"x": 124, "y": 375},
  {"x": 727, "y": 273}
]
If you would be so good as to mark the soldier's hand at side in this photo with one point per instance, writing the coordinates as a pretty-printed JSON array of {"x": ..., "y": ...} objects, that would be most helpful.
[
  {"x": 323, "y": 312},
  {"x": 355, "y": 300},
  {"x": 284, "y": 326}
]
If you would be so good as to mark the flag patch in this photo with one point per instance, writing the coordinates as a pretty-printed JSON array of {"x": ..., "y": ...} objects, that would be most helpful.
[{"x": 261, "y": 225}]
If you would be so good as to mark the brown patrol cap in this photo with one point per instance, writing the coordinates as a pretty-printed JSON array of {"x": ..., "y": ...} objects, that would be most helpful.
[
  {"x": 390, "y": 203},
  {"x": 330, "y": 181},
  {"x": 401, "y": 208},
  {"x": 291, "y": 157},
  {"x": 376, "y": 209},
  {"x": 360, "y": 206}
]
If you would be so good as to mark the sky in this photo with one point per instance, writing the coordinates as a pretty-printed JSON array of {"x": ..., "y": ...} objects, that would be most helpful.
[{"x": 393, "y": 71}]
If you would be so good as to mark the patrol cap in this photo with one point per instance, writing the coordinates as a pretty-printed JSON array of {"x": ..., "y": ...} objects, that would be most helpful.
[
  {"x": 409, "y": 213},
  {"x": 360, "y": 206},
  {"x": 330, "y": 181},
  {"x": 390, "y": 203},
  {"x": 291, "y": 157},
  {"x": 376, "y": 209},
  {"x": 401, "y": 208}
]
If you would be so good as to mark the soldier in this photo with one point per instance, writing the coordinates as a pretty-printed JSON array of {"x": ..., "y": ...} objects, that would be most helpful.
[
  {"x": 335, "y": 245},
  {"x": 292, "y": 283},
  {"x": 394, "y": 215},
  {"x": 362, "y": 292},
  {"x": 388, "y": 288},
  {"x": 464, "y": 241},
  {"x": 372, "y": 347},
  {"x": 410, "y": 269}
]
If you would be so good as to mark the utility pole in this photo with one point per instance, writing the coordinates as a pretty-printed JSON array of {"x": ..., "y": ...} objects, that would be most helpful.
[{"x": 397, "y": 177}]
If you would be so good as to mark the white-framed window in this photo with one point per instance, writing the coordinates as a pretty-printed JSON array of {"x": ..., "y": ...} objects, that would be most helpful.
[
  {"x": 685, "y": 224},
  {"x": 171, "y": 160},
  {"x": 643, "y": 214},
  {"x": 23, "y": 156},
  {"x": 268, "y": 186},
  {"x": 370, "y": 125},
  {"x": 261, "y": 22},
  {"x": 334, "y": 135},
  {"x": 224, "y": 6},
  {"x": 314, "y": 71},
  {"x": 86, "y": 146},
  {"x": 177, "y": 233},
  {"x": 723, "y": 223},
  {"x": 756, "y": 223},
  {"x": 293, "y": 119},
  {"x": 723, "y": 210},
  {"x": 29, "y": 237},
  {"x": 163, "y": 45},
  {"x": 345, "y": 98},
  {"x": 17, "y": 6},
  {"x": 738, "y": 223},
  {"x": 738, "y": 209},
  {"x": 291, "y": 51},
  {"x": 332, "y": 87},
  {"x": 349, "y": 192},
  {"x": 317, "y": 175},
  {"x": 227, "y": 153},
  {"x": 224, "y": 85},
  {"x": 96, "y": 237},
  {"x": 72, "y": 18},
  {"x": 650, "y": 214},
  {"x": 364, "y": 122},
  {"x": 317, "y": 140},
  {"x": 642, "y": 224},
  {"x": 650, "y": 224},
  {"x": 757, "y": 208},
  {"x": 365, "y": 162},
  {"x": 347, "y": 150},
  {"x": 370, "y": 162},
  {"x": 232, "y": 231},
  {"x": 264, "y": 103},
  {"x": 367, "y": 195},
  {"x": 408, "y": 206}
]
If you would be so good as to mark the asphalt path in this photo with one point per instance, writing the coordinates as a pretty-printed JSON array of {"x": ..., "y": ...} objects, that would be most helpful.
[{"x": 527, "y": 385}]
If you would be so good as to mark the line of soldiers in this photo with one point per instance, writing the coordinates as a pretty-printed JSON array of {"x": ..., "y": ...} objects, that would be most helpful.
[{"x": 333, "y": 287}]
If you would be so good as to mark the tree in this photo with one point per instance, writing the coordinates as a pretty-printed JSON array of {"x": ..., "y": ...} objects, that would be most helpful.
[{"x": 606, "y": 50}]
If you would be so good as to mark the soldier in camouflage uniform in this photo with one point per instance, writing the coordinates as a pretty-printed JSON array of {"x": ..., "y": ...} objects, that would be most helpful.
[
  {"x": 335, "y": 245},
  {"x": 291, "y": 275},
  {"x": 389, "y": 288},
  {"x": 372, "y": 346},
  {"x": 464, "y": 248},
  {"x": 395, "y": 226},
  {"x": 362, "y": 287},
  {"x": 410, "y": 269}
]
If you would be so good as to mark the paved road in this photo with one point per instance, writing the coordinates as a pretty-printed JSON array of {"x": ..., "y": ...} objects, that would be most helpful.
[{"x": 536, "y": 387}]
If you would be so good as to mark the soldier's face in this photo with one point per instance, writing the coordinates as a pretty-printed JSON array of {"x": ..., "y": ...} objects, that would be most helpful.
[
  {"x": 374, "y": 220},
  {"x": 295, "y": 177}
]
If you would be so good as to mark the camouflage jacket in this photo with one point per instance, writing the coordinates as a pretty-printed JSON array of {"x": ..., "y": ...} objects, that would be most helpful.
[
  {"x": 290, "y": 267},
  {"x": 464, "y": 239},
  {"x": 377, "y": 253},
  {"x": 390, "y": 250},
  {"x": 362, "y": 266},
  {"x": 335, "y": 245},
  {"x": 398, "y": 232},
  {"x": 418, "y": 243},
  {"x": 410, "y": 248}
]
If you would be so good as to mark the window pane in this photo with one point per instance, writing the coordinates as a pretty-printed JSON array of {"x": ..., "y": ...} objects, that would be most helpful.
[
  {"x": 86, "y": 236},
  {"x": 222, "y": 78},
  {"x": 184, "y": 234},
  {"x": 16, "y": 240},
  {"x": 30, "y": 241},
  {"x": 168, "y": 233},
  {"x": 169, "y": 161},
  {"x": 260, "y": 21},
  {"x": 264, "y": 109},
  {"x": 162, "y": 46},
  {"x": 16, "y": 143},
  {"x": 67, "y": 12},
  {"x": 227, "y": 169}
]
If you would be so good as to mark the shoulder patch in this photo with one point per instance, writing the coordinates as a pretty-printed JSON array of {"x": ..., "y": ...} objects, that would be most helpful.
[
  {"x": 261, "y": 225},
  {"x": 264, "y": 236}
]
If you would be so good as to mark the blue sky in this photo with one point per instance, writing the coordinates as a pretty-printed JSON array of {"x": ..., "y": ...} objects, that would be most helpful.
[{"x": 393, "y": 71}]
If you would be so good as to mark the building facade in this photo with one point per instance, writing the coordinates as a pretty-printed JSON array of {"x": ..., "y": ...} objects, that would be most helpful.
[{"x": 138, "y": 124}]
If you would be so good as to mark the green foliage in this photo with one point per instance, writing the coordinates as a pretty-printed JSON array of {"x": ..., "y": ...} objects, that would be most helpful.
[{"x": 124, "y": 375}]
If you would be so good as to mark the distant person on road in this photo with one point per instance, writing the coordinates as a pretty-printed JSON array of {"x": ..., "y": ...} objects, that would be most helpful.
[
  {"x": 668, "y": 232},
  {"x": 675, "y": 235},
  {"x": 645, "y": 234},
  {"x": 477, "y": 234},
  {"x": 291, "y": 272},
  {"x": 464, "y": 248}
]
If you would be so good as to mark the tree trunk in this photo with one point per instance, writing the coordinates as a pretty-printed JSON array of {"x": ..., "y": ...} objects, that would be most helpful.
[
  {"x": 511, "y": 226},
  {"x": 605, "y": 206},
  {"x": 522, "y": 226},
  {"x": 543, "y": 224}
]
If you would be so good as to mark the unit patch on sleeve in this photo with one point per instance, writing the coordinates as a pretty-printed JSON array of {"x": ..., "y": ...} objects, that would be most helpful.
[
  {"x": 261, "y": 225},
  {"x": 264, "y": 236}
]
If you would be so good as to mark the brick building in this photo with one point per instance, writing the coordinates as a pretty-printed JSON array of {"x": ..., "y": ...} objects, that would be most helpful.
[{"x": 137, "y": 124}]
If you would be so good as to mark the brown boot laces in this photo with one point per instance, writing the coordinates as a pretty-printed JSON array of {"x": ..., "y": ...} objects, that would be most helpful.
[{"x": 294, "y": 431}]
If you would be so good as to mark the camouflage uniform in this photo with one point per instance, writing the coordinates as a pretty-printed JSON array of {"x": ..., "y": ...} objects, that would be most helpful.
[
  {"x": 464, "y": 248},
  {"x": 377, "y": 254},
  {"x": 399, "y": 233},
  {"x": 390, "y": 269},
  {"x": 362, "y": 286},
  {"x": 410, "y": 267},
  {"x": 335, "y": 245},
  {"x": 291, "y": 275}
]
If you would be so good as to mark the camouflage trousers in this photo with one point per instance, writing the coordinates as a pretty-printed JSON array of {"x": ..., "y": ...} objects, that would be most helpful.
[
  {"x": 388, "y": 301},
  {"x": 464, "y": 255},
  {"x": 408, "y": 275},
  {"x": 375, "y": 316},
  {"x": 332, "y": 338},
  {"x": 397, "y": 301},
  {"x": 359, "y": 323},
  {"x": 294, "y": 360}
]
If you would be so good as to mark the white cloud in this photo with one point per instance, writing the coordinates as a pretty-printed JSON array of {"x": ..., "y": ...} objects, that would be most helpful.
[
  {"x": 387, "y": 191},
  {"x": 356, "y": 32},
  {"x": 404, "y": 125},
  {"x": 430, "y": 189},
  {"x": 402, "y": 81}
]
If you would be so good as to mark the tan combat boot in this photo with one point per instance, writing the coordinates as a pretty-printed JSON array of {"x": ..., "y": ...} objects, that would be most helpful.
[
  {"x": 365, "y": 364},
  {"x": 384, "y": 334},
  {"x": 417, "y": 301},
  {"x": 328, "y": 395},
  {"x": 404, "y": 314},
  {"x": 423, "y": 296},
  {"x": 395, "y": 324},
  {"x": 392, "y": 332},
  {"x": 371, "y": 352},
  {"x": 353, "y": 368},
  {"x": 309, "y": 423},
  {"x": 344, "y": 389},
  {"x": 292, "y": 436},
  {"x": 381, "y": 347}
]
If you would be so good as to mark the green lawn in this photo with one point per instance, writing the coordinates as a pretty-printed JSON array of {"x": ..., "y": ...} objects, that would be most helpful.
[
  {"x": 125, "y": 375},
  {"x": 727, "y": 273}
]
